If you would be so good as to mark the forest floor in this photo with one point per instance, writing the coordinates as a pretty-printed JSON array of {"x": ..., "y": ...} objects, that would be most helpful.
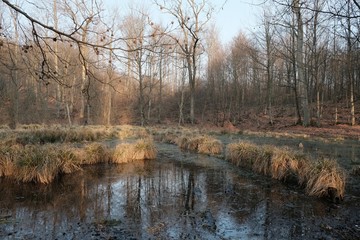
[{"x": 285, "y": 123}]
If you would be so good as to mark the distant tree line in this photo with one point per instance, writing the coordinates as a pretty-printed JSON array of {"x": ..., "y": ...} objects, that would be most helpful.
[{"x": 74, "y": 63}]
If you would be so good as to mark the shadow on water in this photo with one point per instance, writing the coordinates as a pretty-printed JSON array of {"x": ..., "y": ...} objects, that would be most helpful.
[{"x": 178, "y": 196}]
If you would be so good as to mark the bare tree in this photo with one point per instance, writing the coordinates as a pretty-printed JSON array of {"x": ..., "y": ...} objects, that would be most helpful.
[
  {"x": 191, "y": 17},
  {"x": 300, "y": 61}
]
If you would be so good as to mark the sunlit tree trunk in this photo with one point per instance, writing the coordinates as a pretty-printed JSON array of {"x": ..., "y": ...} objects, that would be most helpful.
[
  {"x": 160, "y": 86},
  {"x": 300, "y": 63},
  {"x": 350, "y": 67},
  {"x": 269, "y": 69}
]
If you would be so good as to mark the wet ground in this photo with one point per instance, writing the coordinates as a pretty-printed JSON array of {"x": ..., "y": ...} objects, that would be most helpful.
[{"x": 178, "y": 196}]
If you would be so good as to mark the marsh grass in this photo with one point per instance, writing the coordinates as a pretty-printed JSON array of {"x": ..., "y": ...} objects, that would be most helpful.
[
  {"x": 322, "y": 178},
  {"x": 57, "y": 135},
  {"x": 7, "y": 159},
  {"x": 92, "y": 153},
  {"x": 200, "y": 143},
  {"x": 169, "y": 135},
  {"x": 244, "y": 154},
  {"x": 288, "y": 165},
  {"x": 326, "y": 179},
  {"x": 40, "y": 155},
  {"x": 128, "y": 131},
  {"x": 143, "y": 149},
  {"x": 36, "y": 165}
]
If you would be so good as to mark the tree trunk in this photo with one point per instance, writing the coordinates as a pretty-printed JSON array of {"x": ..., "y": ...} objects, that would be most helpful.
[
  {"x": 141, "y": 91},
  {"x": 192, "y": 88},
  {"x": 350, "y": 68},
  {"x": 160, "y": 88},
  {"x": 300, "y": 64}
]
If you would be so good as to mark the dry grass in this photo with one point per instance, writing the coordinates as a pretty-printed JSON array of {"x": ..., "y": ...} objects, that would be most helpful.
[
  {"x": 200, "y": 144},
  {"x": 326, "y": 179},
  {"x": 7, "y": 159},
  {"x": 169, "y": 135},
  {"x": 243, "y": 154},
  {"x": 287, "y": 164},
  {"x": 128, "y": 131},
  {"x": 37, "y": 135},
  {"x": 42, "y": 164},
  {"x": 142, "y": 149},
  {"x": 26, "y": 155},
  {"x": 92, "y": 153},
  {"x": 263, "y": 159},
  {"x": 322, "y": 178}
]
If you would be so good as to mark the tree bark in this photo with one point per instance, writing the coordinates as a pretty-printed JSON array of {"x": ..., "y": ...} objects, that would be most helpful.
[{"x": 300, "y": 64}]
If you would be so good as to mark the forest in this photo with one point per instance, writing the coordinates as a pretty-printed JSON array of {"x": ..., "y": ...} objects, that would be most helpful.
[
  {"x": 73, "y": 62},
  {"x": 142, "y": 123}
]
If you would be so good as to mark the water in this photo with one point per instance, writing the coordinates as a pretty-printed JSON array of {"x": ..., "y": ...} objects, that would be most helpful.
[{"x": 178, "y": 196}]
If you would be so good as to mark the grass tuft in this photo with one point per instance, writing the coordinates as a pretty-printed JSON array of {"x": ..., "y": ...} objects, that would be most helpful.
[
  {"x": 200, "y": 144},
  {"x": 326, "y": 179},
  {"x": 142, "y": 149},
  {"x": 92, "y": 153},
  {"x": 323, "y": 178}
]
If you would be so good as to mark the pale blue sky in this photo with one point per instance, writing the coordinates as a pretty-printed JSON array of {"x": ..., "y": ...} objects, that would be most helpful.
[{"x": 235, "y": 16}]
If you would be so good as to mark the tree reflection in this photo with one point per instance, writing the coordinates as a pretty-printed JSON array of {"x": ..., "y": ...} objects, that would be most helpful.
[{"x": 190, "y": 193}]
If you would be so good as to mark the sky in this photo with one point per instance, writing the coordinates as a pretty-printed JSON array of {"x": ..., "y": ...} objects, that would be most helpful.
[{"x": 234, "y": 17}]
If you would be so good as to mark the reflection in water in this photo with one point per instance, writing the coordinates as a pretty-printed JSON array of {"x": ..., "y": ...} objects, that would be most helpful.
[{"x": 179, "y": 196}]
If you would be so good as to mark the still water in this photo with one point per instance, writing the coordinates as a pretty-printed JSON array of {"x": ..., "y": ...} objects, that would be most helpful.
[{"x": 179, "y": 195}]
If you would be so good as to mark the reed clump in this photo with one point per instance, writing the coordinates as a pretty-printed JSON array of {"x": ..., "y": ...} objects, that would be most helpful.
[
  {"x": 201, "y": 144},
  {"x": 169, "y": 135},
  {"x": 56, "y": 135},
  {"x": 322, "y": 178},
  {"x": 40, "y": 164},
  {"x": 326, "y": 179},
  {"x": 92, "y": 153},
  {"x": 128, "y": 131},
  {"x": 143, "y": 149},
  {"x": 243, "y": 154}
]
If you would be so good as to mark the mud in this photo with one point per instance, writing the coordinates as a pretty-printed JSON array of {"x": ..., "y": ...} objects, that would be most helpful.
[{"x": 180, "y": 195}]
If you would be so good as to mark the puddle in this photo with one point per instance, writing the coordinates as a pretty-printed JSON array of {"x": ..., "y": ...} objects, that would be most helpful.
[{"x": 178, "y": 196}]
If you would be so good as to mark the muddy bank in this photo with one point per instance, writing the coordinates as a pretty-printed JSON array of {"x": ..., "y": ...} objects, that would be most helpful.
[{"x": 178, "y": 196}]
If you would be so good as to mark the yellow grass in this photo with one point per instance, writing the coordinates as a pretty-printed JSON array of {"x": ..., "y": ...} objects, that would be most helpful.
[
  {"x": 128, "y": 131},
  {"x": 200, "y": 144},
  {"x": 243, "y": 154},
  {"x": 326, "y": 179},
  {"x": 27, "y": 156},
  {"x": 286, "y": 164},
  {"x": 92, "y": 153},
  {"x": 142, "y": 149},
  {"x": 36, "y": 163},
  {"x": 323, "y": 178},
  {"x": 262, "y": 159},
  {"x": 169, "y": 135}
]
